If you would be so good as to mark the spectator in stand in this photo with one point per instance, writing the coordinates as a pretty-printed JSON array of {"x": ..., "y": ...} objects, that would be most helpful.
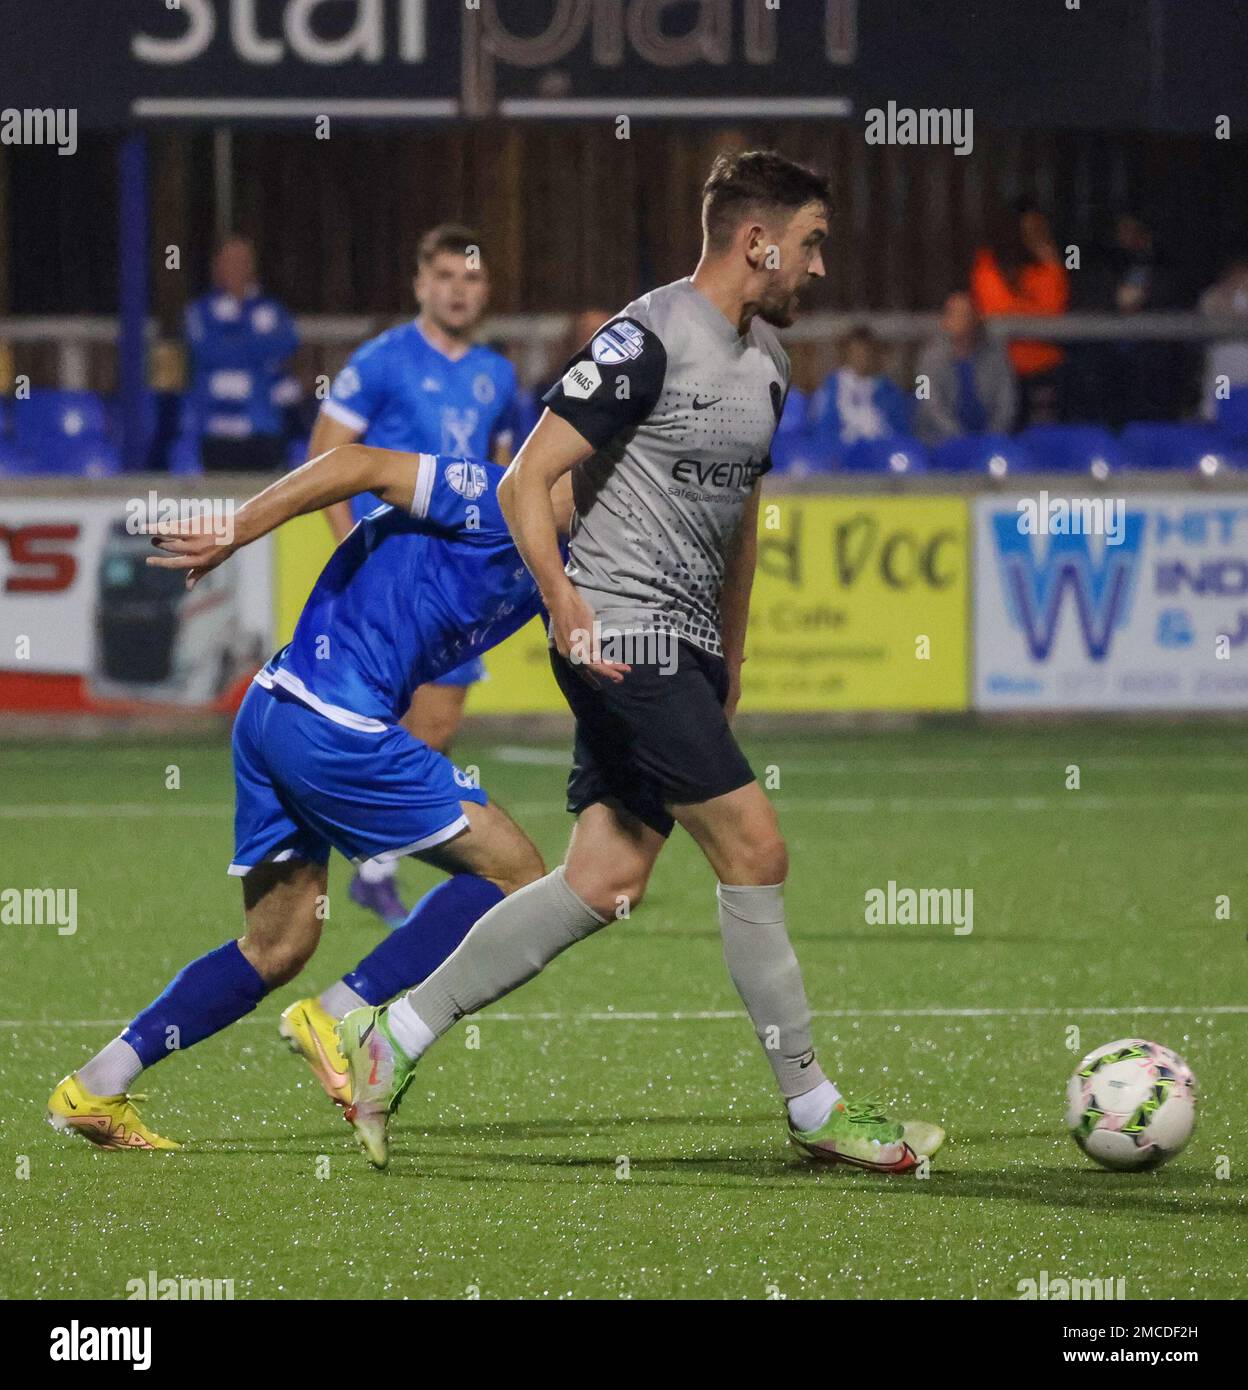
[
  {"x": 239, "y": 340},
  {"x": 1116, "y": 381},
  {"x": 1021, "y": 272},
  {"x": 1228, "y": 357},
  {"x": 857, "y": 401},
  {"x": 971, "y": 386}
]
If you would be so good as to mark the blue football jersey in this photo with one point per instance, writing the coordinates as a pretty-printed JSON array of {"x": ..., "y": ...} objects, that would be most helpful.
[
  {"x": 408, "y": 596},
  {"x": 402, "y": 393}
]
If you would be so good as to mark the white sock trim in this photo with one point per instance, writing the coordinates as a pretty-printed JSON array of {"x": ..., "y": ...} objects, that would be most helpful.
[
  {"x": 408, "y": 1029},
  {"x": 811, "y": 1110},
  {"x": 377, "y": 870},
  {"x": 339, "y": 999},
  {"x": 113, "y": 1069}
]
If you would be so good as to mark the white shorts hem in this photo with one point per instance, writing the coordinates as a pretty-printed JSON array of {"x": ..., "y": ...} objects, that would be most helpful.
[
  {"x": 438, "y": 837},
  {"x": 242, "y": 870}
]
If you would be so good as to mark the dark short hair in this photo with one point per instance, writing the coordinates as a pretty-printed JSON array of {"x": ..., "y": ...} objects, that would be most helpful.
[
  {"x": 447, "y": 236},
  {"x": 742, "y": 185}
]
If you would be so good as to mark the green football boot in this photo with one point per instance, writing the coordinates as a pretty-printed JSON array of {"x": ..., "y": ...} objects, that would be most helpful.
[
  {"x": 858, "y": 1133},
  {"x": 380, "y": 1073}
]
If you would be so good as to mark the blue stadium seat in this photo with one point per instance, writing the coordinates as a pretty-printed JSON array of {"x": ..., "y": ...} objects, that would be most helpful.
[
  {"x": 962, "y": 455},
  {"x": 77, "y": 458},
  {"x": 996, "y": 454},
  {"x": 1076, "y": 449},
  {"x": 50, "y": 415},
  {"x": 15, "y": 462},
  {"x": 184, "y": 455},
  {"x": 1177, "y": 446},
  {"x": 899, "y": 455},
  {"x": 797, "y": 454},
  {"x": 1233, "y": 416}
]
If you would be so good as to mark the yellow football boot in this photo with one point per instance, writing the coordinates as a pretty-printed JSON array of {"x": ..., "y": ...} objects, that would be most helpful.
[
  {"x": 309, "y": 1031},
  {"x": 111, "y": 1122}
]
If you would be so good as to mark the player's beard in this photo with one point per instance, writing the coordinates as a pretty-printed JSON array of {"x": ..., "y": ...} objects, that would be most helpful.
[{"x": 780, "y": 311}]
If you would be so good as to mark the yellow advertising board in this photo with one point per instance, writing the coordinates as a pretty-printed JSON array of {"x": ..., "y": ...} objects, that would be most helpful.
[{"x": 860, "y": 603}]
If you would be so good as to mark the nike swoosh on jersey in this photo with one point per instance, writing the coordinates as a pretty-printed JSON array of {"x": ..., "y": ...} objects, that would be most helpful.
[{"x": 705, "y": 405}]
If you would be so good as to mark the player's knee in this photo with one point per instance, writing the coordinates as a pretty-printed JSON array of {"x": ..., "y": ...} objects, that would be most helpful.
[
  {"x": 762, "y": 860},
  {"x": 613, "y": 896}
]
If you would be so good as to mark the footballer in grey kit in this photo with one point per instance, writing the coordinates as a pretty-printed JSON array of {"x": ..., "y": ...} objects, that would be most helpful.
[
  {"x": 682, "y": 410},
  {"x": 665, "y": 420}
]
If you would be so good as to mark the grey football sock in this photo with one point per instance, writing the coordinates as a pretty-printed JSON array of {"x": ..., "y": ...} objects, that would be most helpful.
[
  {"x": 515, "y": 940},
  {"x": 765, "y": 971}
]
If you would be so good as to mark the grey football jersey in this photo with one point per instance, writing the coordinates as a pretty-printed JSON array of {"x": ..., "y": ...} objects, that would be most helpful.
[{"x": 681, "y": 410}]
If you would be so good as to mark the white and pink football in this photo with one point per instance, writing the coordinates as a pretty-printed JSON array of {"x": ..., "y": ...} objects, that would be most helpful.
[{"x": 1131, "y": 1104}]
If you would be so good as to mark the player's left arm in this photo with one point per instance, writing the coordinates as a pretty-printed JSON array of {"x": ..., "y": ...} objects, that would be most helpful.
[
  {"x": 734, "y": 598},
  {"x": 332, "y": 477}
]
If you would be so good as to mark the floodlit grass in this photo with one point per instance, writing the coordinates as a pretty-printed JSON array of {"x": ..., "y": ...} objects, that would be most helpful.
[{"x": 615, "y": 1132}]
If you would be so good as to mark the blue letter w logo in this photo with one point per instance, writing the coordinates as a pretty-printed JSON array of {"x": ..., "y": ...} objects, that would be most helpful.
[{"x": 1101, "y": 587}]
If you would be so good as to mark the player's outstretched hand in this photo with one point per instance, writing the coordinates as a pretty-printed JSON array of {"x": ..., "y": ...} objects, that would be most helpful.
[
  {"x": 578, "y": 640},
  {"x": 187, "y": 545}
]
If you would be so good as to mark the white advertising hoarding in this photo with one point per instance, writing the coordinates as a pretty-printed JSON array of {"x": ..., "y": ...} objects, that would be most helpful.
[
  {"x": 86, "y": 624},
  {"x": 1149, "y": 611}
]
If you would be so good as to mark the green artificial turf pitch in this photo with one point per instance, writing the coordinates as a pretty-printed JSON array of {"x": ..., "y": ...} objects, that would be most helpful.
[{"x": 615, "y": 1133}]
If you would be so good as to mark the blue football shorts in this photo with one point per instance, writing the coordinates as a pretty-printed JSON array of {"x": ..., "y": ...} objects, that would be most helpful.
[{"x": 305, "y": 784}]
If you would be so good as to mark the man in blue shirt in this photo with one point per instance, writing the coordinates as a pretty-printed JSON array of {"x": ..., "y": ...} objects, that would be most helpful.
[
  {"x": 239, "y": 341},
  {"x": 857, "y": 401},
  {"x": 322, "y": 762},
  {"x": 424, "y": 386}
]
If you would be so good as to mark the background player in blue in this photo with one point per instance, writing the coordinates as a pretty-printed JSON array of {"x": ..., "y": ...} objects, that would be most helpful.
[
  {"x": 424, "y": 386},
  {"x": 322, "y": 762},
  {"x": 239, "y": 340}
]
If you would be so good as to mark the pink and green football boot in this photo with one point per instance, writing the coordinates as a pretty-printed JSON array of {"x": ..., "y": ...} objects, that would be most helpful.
[
  {"x": 380, "y": 1073},
  {"x": 858, "y": 1133}
]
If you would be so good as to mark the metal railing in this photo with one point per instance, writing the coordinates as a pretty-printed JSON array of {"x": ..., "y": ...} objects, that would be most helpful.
[{"x": 530, "y": 338}]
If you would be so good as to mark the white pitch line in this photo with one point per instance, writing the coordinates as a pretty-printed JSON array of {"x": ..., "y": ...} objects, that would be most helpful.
[
  {"x": 717, "y": 1015},
  {"x": 812, "y": 765}
]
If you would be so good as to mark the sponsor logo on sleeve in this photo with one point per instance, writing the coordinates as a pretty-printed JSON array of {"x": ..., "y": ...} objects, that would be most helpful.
[
  {"x": 347, "y": 383},
  {"x": 619, "y": 342},
  {"x": 468, "y": 479},
  {"x": 581, "y": 380}
]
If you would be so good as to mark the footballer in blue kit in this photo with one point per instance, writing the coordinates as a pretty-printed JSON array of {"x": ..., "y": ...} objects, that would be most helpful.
[
  {"x": 399, "y": 388},
  {"x": 424, "y": 387},
  {"x": 406, "y": 597},
  {"x": 428, "y": 579}
]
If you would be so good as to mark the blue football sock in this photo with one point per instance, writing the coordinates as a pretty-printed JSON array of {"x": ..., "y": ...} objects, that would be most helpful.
[
  {"x": 434, "y": 928},
  {"x": 201, "y": 999}
]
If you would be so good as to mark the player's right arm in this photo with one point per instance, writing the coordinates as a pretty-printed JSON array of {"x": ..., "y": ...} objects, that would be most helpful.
[
  {"x": 525, "y": 497},
  {"x": 332, "y": 477},
  {"x": 606, "y": 390}
]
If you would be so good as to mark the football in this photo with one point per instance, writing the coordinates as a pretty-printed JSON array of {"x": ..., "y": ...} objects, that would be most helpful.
[{"x": 1131, "y": 1105}]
